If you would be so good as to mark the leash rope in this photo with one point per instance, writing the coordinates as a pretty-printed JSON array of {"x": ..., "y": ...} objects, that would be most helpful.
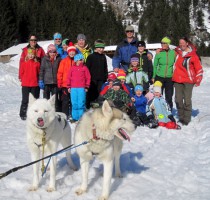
[
  {"x": 43, "y": 145},
  {"x": 2, "y": 175}
]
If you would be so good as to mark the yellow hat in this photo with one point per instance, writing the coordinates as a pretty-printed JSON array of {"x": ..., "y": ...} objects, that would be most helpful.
[{"x": 157, "y": 83}]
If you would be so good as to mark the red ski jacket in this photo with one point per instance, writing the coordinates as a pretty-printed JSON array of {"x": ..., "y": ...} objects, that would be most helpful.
[
  {"x": 29, "y": 73},
  {"x": 187, "y": 68}
]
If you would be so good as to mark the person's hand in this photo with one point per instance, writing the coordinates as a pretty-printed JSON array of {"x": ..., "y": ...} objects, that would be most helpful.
[
  {"x": 86, "y": 89},
  {"x": 133, "y": 99},
  {"x": 152, "y": 80},
  {"x": 198, "y": 81},
  {"x": 69, "y": 90},
  {"x": 116, "y": 70},
  {"x": 41, "y": 84},
  {"x": 158, "y": 51}
]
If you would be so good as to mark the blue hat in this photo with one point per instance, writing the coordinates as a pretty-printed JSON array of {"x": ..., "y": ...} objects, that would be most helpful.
[
  {"x": 138, "y": 87},
  {"x": 57, "y": 36},
  {"x": 78, "y": 56}
]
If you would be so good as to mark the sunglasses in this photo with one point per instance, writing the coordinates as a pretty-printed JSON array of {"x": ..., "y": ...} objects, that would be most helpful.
[
  {"x": 52, "y": 52},
  {"x": 163, "y": 43},
  {"x": 57, "y": 39},
  {"x": 34, "y": 40},
  {"x": 80, "y": 59},
  {"x": 129, "y": 31}
]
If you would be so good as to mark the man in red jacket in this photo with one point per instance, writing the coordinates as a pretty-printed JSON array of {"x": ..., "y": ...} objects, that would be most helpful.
[{"x": 187, "y": 73}]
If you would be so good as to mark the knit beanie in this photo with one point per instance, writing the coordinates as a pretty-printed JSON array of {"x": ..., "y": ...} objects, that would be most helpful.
[
  {"x": 138, "y": 87},
  {"x": 99, "y": 43},
  {"x": 121, "y": 74},
  {"x": 141, "y": 44},
  {"x": 135, "y": 58},
  {"x": 158, "y": 83},
  {"x": 157, "y": 89},
  {"x": 166, "y": 40},
  {"x": 71, "y": 47},
  {"x": 51, "y": 48},
  {"x": 57, "y": 36},
  {"x": 65, "y": 42},
  {"x": 78, "y": 56},
  {"x": 116, "y": 82},
  {"x": 111, "y": 77},
  {"x": 31, "y": 51},
  {"x": 81, "y": 37}
]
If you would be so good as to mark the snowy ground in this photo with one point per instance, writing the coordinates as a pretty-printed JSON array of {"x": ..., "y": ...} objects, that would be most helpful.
[{"x": 157, "y": 164}]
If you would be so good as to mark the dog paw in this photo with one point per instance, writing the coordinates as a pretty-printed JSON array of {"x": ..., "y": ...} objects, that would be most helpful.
[
  {"x": 80, "y": 191},
  {"x": 119, "y": 176},
  {"x": 103, "y": 198},
  {"x": 33, "y": 188},
  {"x": 50, "y": 189}
]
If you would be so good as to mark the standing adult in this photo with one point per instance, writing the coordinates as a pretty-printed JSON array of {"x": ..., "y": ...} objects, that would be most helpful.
[
  {"x": 163, "y": 69},
  {"x": 187, "y": 73},
  {"x": 125, "y": 49},
  {"x": 39, "y": 52},
  {"x": 82, "y": 46},
  {"x": 58, "y": 43},
  {"x": 97, "y": 65}
]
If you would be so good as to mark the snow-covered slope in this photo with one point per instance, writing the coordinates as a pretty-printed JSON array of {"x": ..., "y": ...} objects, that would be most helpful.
[{"x": 157, "y": 164}]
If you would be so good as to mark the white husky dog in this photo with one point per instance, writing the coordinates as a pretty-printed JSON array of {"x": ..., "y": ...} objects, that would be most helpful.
[
  {"x": 43, "y": 121},
  {"x": 105, "y": 128}
]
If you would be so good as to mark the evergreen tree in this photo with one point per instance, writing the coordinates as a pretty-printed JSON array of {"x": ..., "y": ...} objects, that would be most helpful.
[{"x": 7, "y": 25}]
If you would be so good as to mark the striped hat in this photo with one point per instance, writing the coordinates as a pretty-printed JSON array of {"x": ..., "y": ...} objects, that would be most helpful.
[{"x": 121, "y": 74}]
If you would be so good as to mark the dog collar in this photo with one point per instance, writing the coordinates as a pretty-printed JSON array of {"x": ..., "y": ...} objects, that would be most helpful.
[{"x": 95, "y": 137}]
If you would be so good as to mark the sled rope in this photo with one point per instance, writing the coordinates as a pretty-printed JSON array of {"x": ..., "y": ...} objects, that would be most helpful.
[
  {"x": 43, "y": 145},
  {"x": 2, "y": 175}
]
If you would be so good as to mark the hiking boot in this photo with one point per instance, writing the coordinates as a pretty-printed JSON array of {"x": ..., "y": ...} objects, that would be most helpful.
[{"x": 153, "y": 123}]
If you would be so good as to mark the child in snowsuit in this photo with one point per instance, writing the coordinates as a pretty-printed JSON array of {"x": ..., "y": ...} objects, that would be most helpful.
[
  {"x": 121, "y": 75},
  {"x": 78, "y": 82},
  {"x": 159, "y": 108},
  {"x": 118, "y": 96},
  {"x": 48, "y": 74},
  {"x": 29, "y": 76},
  {"x": 136, "y": 76},
  {"x": 62, "y": 74},
  {"x": 138, "y": 114}
]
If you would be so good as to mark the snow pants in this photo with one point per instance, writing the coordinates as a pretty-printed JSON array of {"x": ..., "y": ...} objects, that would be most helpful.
[
  {"x": 25, "y": 97},
  {"x": 78, "y": 100},
  {"x": 183, "y": 100},
  {"x": 168, "y": 87}
]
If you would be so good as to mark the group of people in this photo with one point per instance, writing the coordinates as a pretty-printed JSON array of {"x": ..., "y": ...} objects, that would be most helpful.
[{"x": 79, "y": 78}]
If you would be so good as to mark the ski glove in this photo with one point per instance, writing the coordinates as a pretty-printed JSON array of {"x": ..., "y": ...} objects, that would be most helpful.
[
  {"x": 171, "y": 117},
  {"x": 41, "y": 84}
]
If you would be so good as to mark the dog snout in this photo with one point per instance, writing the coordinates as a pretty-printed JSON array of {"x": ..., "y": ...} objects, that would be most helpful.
[{"x": 39, "y": 119}]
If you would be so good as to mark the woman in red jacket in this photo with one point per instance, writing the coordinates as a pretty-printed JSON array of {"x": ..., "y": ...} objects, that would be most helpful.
[
  {"x": 29, "y": 76},
  {"x": 187, "y": 73}
]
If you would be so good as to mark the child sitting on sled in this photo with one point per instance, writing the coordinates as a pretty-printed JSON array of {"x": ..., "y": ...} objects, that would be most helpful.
[{"x": 159, "y": 108}]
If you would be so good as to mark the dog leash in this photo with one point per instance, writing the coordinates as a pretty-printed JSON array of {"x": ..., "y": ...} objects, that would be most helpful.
[{"x": 2, "y": 175}]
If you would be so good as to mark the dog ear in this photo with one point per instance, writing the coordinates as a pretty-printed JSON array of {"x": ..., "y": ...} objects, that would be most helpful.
[
  {"x": 31, "y": 99},
  {"x": 52, "y": 100},
  {"x": 106, "y": 109}
]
